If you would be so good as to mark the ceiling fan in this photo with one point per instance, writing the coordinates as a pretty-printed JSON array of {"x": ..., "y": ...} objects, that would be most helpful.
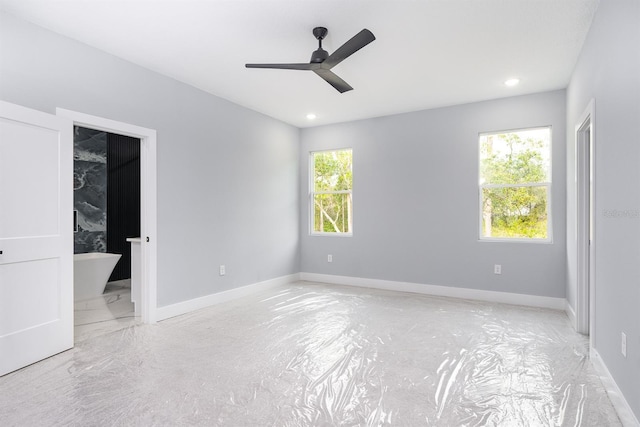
[{"x": 321, "y": 62}]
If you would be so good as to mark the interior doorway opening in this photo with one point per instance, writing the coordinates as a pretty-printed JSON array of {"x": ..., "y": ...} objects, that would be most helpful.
[
  {"x": 106, "y": 202},
  {"x": 148, "y": 201},
  {"x": 585, "y": 202}
]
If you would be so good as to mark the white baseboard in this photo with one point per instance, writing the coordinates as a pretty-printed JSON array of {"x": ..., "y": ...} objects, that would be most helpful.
[
  {"x": 617, "y": 398},
  {"x": 445, "y": 291},
  {"x": 188, "y": 306}
]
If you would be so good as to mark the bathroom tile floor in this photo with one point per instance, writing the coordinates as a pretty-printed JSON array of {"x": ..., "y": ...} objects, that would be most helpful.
[
  {"x": 112, "y": 311},
  {"x": 309, "y": 354}
]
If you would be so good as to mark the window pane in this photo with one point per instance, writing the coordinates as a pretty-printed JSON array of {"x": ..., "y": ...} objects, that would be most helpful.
[
  {"x": 332, "y": 213},
  {"x": 332, "y": 170},
  {"x": 516, "y": 157},
  {"x": 516, "y": 212}
]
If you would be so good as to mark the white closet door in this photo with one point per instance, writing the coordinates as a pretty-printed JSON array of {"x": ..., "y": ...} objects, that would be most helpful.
[{"x": 36, "y": 236}]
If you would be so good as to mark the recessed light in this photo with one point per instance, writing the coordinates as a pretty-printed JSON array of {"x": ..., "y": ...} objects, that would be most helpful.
[
  {"x": 311, "y": 116},
  {"x": 512, "y": 82}
]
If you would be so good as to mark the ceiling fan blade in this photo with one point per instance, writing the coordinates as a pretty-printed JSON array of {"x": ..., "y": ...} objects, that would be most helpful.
[
  {"x": 356, "y": 43},
  {"x": 335, "y": 81},
  {"x": 304, "y": 66}
]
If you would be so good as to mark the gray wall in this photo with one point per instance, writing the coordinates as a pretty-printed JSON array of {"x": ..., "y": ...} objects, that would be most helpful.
[
  {"x": 608, "y": 71},
  {"x": 415, "y": 192},
  {"x": 227, "y": 176}
]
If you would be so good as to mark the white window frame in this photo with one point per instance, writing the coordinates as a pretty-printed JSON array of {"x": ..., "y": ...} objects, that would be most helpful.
[
  {"x": 312, "y": 194},
  {"x": 546, "y": 184}
]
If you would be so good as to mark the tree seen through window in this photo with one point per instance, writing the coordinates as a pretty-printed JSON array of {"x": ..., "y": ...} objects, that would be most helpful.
[
  {"x": 515, "y": 184},
  {"x": 331, "y": 196}
]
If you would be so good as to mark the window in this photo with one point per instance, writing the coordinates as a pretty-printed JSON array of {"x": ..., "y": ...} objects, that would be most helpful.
[
  {"x": 330, "y": 198},
  {"x": 515, "y": 185}
]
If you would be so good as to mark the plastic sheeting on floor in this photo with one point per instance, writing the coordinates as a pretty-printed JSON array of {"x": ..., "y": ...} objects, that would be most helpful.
[{"x": 319, "y": 355}]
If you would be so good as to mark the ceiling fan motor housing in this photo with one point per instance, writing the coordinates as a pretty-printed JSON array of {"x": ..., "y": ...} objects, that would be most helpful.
[{"x": 319, "y": 56}]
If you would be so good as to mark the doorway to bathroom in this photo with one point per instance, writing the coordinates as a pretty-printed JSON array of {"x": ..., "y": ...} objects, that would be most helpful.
[
  {"x": 146, "y": 261},
  {"x": 106, "y": 202}
]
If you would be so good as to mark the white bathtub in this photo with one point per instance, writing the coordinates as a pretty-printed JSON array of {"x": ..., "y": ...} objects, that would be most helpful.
[{"x": 91, "y": 272}]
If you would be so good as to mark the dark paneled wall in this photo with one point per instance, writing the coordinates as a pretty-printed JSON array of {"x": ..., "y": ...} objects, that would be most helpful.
[{"x": 123, "y": 199}]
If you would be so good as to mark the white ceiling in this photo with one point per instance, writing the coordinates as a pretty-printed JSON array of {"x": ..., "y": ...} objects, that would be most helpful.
[{"x": 427, "y": 53}]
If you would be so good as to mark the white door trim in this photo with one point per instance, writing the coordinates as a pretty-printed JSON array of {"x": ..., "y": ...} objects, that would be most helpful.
[
  {"x": 585, "y": 222},
  {"x": 148, "y": 202}
]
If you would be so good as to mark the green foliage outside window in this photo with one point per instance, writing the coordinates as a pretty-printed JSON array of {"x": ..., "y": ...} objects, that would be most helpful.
[
  {"x": 515, "y": 182},
  {"x": 331, "y": 192}
]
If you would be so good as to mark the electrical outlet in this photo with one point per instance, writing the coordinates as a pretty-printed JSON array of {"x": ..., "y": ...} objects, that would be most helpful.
[
  {"x": 497, "y": 269},
  {"x": 623, "y": 344},
  {"x": 222, "y": 270},
  {"x": 329, "y": 258}
]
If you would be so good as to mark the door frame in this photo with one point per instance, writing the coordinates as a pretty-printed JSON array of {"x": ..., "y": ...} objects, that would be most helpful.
[
  {"x": 148, "y": 201},
  {"x": 585, "y": 222}
]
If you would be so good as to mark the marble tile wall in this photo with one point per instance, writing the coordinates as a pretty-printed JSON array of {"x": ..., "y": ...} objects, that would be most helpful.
[{"x": 90, "y": 189}]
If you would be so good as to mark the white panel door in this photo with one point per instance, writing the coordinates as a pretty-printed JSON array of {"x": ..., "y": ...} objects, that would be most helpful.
[{"x": 36, "y": 236}]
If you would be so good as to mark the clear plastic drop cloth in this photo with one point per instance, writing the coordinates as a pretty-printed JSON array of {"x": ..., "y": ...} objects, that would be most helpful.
[{"x": 319, "y": 355}]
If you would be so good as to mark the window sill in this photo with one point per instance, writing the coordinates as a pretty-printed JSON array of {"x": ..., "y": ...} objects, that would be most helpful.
[{"x": 516, "y": 240}]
